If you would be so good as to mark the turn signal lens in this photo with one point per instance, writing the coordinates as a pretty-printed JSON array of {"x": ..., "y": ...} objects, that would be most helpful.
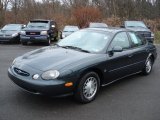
[{"x": 69, "y": 84}]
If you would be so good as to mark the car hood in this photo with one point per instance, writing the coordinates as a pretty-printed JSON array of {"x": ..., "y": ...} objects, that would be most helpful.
[
  {"x": 138, "y": 29},
  {"x": 52, "y": 58},
  {"x": 8, "y": 32}
]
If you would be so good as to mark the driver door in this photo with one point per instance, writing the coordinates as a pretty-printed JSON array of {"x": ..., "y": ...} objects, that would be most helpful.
[{"x": 118, "y": 63}]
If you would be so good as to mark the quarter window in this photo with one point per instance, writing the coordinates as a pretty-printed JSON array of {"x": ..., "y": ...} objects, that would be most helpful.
[{"x": 121, "y": 39}]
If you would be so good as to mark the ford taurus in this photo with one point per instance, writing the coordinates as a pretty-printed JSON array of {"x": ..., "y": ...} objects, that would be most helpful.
[{"x": 83, "y": 62}]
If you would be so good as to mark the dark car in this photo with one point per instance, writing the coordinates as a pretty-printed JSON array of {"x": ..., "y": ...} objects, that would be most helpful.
[
  {"x": 39, "y": 31},
  {"x": 82, "y": 62},
  {"x": 11, "y": 33},
  {"x": 97, "y": 25},
  {"x": 140, "y": 28},
  {"x": 68, "y": 30}
]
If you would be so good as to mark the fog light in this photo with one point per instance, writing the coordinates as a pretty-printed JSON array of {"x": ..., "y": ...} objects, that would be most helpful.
[{"x": 35, "y": 77}]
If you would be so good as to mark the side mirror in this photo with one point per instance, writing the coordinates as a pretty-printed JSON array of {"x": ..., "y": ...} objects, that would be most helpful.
[
  {"x": 53, "y": 26},
  {"x": 148, "y": 27},
  {"x": 117, "y": 49}
]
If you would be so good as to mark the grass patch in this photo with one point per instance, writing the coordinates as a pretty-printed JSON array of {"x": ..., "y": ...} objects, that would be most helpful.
[{"x": 157, "y": 37}]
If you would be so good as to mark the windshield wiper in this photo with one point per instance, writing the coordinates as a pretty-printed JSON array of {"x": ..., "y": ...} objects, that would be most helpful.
[
  {"x": 31, "y": 26},
  {"x": 75, "y": 48}
]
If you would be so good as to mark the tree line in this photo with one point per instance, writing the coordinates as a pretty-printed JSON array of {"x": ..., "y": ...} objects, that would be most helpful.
[{"x": 80, "y": 12}]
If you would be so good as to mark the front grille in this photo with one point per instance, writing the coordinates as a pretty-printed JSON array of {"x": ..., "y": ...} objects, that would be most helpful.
[
  {"x": 21, "y": 72},
  {"x": 5, "y": 35},
  {"x": 8, "y": 35},
  {"x": 145, "y": 34},
  {"x": 32, "y": 33}
]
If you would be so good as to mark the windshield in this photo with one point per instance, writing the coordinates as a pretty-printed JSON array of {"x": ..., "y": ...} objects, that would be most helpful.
[
  {"x": 38, "y": 24},
  {"x": 70, "y": 29},
  {"x": 135, "y": 24},
  {"x": 12, "y": 27},
  {"x": 86, "y": 40},
  {"x": 98, "y": 25}
]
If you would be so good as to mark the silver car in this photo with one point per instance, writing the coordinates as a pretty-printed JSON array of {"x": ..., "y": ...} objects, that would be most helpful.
[{"x": 69, "y": 30}]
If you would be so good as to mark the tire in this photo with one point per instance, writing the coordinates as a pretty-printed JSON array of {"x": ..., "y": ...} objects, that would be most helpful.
[
  {"x": 55, "y": 39},
  {"x": 87, "y": 88},
  {"x": 24, "y": 43},
  {"x": 49, "y": 42},
  {"x": 148, "y": 67}
]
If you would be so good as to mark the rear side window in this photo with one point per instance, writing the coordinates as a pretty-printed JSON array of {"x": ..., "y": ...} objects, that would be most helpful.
[
  {"x": 136, "y": 40},
  {"x": 121, "y": 39}
]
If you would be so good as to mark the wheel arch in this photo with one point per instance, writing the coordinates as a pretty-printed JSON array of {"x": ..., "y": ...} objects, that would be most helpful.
[
  {"x": 151, "y": 56},
  {"x": 92, "y": 69}
]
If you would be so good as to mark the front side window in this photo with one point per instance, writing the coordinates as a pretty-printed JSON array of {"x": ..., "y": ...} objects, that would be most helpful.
[
  {"x": 136, "y": 40},
  {"x": 121, "y": 40}
]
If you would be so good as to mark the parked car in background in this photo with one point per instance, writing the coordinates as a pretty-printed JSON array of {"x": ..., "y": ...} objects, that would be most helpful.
[
  {"x": 11, "y": 33},
  {"x": 68, "y": 30},
  {"x": 140, "y": 28},
  {"x": 97, "y": 25},
  {"x": 39, "y": 31},
  {"x": 82, "y": 62}
]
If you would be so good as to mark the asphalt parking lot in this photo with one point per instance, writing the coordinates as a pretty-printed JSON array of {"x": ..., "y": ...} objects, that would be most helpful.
[{"x": 133, "y": 98}]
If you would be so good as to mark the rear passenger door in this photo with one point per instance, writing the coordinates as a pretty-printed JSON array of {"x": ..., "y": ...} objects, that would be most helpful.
[{"x": 139, "y": 51}]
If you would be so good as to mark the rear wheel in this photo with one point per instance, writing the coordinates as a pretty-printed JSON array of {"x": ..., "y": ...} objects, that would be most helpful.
[
  {"x": 148, "y": 67},
  {"x": 87, "y": 88}
]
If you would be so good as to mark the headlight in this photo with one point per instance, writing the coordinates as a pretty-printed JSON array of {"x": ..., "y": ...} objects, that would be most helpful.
[
  {"x": 63, "y": 36},
  {"x": 44, "y": 33},
  {"x": 23, "y": 32},
  {"x": 15, "y": 34},
  {"x": 152, "y": 34},
  {"x": 50, "y": 75}
]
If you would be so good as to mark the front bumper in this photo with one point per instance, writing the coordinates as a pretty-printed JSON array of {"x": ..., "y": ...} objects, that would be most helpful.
[
  {"x": 39, "y": 38},
  {"x": 43, "y": 87},
  {"x": 9, "y": 39}
]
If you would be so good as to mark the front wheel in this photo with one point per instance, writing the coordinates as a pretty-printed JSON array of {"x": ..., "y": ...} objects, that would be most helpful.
[
  {"x": 49, "y": 42},
  {"x": 148, "y": 67},
  {"x": 87, "y": 88}
]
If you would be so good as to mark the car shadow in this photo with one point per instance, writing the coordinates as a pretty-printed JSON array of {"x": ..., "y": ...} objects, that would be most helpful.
[
  {"x": 9, "y": 43},
  {"x": 65, "y": 102},
  {"x": 117, "y": 84}
]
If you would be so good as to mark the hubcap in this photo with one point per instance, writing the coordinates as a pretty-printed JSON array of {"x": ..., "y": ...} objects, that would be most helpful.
[
  {"x": 148, "y": 66},
  {"x": 90, "y": 88}
]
